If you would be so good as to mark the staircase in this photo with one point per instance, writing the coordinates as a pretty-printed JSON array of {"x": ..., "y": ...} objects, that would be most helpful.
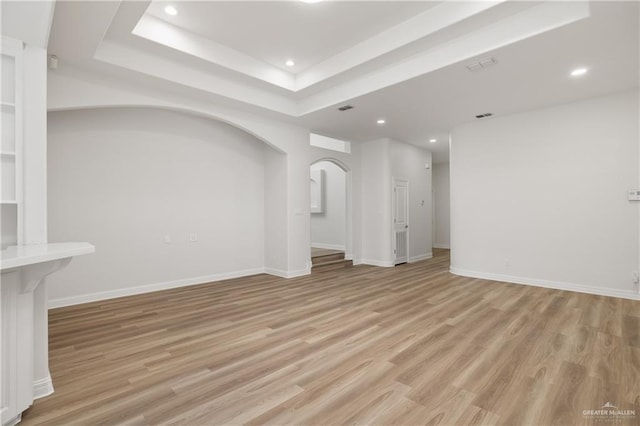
[{"x": 329, "y": 262}]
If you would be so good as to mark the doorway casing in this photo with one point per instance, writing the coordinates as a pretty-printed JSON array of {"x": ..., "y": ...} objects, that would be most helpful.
[{"x": 348, "y": 252}]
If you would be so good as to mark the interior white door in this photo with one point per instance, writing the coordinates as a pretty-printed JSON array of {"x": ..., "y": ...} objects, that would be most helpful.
[{"x": 400, "y": 220}]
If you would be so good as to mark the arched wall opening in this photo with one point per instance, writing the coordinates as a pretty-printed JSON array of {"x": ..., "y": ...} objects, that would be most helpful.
[
  {"x": 332, "y": 227},
  {"x": 168, "y": 198}
]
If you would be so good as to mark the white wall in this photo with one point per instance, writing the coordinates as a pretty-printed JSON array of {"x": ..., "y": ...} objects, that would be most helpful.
[
  {"x": 409, "y": 162},
  {"x": 276, "y": 206},
  {"x": 328, "y": 229},
  {"x": 381, "y": 160},
  {"x": 441, "y": 234},
  {"x": 540, "y": 197},
  {"x": 71, "y": 88},
  {"x": 124, "y": 178},
  {"x": 376, "y": 203}
]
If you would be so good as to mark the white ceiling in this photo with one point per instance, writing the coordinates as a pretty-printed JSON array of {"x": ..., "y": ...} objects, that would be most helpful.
[
  {"x": 412, "y": 74},
  {"x": 40, "y": 15},
  {"x": 530, "y": 74},
  {"x": 307, "y": 33},
  {"x": 423, "y": 25}
]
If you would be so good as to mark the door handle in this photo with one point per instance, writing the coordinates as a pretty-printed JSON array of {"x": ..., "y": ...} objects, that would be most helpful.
[{"x": 406, "y": 226}]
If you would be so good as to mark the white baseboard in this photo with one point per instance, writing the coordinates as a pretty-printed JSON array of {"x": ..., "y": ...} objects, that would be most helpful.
[
  {"x": 42, "y": 387},
  {"x": 381, "y": 263},
  {"x": 14, "y": 421},
  {"x": 557, "y": 285},
  {"x": 299, "y": 273},
  {"x": 288, "y": 274},
  {"x": 420, "y": 257},
  {"x": 130, "y": 291},
  {"x": 328, "y": 246},
  {"x": 441, "y": 246}
]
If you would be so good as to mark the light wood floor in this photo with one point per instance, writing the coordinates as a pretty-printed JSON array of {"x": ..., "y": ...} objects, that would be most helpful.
[{"x": 406, "y": 345}]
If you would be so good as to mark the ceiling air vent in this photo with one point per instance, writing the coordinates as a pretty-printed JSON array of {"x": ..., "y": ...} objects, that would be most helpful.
[
  {"x": 486, "y": 114},
  {"x": 482, "y": 63},
  {"x": 345, "y": 108}
]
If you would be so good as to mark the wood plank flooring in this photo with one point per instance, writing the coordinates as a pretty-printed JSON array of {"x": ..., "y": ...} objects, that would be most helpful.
[{"x": 408, "y": 345}]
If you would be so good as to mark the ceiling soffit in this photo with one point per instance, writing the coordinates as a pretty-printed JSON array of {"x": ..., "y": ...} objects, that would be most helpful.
[{"x": 140, "y": 42}]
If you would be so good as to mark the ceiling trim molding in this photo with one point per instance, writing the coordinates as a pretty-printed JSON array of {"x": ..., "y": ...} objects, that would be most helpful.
[
  {"x": 418, "y": 27},
  {"x": 146, "y": 63},
  {"x": 528, "y": 23},
  {"x": 161, "y": 32},
  {"x": 134, "y": 54}
]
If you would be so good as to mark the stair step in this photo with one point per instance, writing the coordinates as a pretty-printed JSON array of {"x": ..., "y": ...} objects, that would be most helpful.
[
  {"x": 331, "y": 265},
  {"x": 327, "y": 259}
]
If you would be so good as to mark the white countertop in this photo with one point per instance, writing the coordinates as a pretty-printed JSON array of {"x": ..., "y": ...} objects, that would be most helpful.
[{"x": 17, "y": 256}]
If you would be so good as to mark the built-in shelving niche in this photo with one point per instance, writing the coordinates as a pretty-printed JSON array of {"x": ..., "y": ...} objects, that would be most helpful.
[{"x": 11, "y": 144}]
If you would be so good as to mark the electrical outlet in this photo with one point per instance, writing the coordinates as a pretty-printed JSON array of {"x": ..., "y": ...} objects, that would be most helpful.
[
  {"x": 193, "y": 237},
  {"x": 167, "y": 239},
  {"x": 507, "y": 262},
  {"x": 635, "y": 277}
]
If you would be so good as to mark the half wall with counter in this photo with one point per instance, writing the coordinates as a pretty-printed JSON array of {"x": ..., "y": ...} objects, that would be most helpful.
[{"x": 24, "y": 369}]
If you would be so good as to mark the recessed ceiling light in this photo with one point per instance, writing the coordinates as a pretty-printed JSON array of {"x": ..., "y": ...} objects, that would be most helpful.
[
  {"x": 578, "y": 72},
  {"x": 290, "y": 63},
  {"x": 381, "y": 121},
  {"x": 170, "y": 10},
  {"x": 311, "y": 1},
  {"x": 433, "y": 140}
]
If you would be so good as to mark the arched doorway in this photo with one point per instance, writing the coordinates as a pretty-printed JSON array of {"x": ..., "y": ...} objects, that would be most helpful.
[{"x": 331, "y": 222}]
